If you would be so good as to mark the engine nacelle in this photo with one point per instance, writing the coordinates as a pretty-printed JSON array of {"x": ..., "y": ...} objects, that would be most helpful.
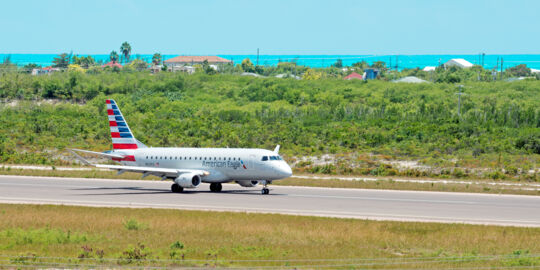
[
  {"x": 247, "y": 183},
  {"x": 188, "y": 180}
]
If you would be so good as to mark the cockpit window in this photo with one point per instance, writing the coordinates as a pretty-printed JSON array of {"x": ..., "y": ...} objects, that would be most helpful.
[{"x": 266, "y": 158}]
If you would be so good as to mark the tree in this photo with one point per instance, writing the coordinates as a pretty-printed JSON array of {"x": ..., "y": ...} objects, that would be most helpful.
[
  {"x": 138, "y": 64},
  {"x": 29, "y": 67},
  {"x": 61, "y": 60},
  {"x": 83, "y": 61},
  {"x": 312, "y": 74},
  {"x": 156, "y": 59},
  {"x": 247, "y": 66},
  {"x": 113, "y": 56},
  {"x": 379, "y": 65},
  {"x": 338, "y": 63},
  {"x": 361, "y": 65},
  {"x": 125, "y": 49},
  {"x": 519, "y": 71},
  {"x": 7, "y": 65}
]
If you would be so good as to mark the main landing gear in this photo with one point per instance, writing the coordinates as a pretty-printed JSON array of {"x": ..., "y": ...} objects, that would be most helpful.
[
  {"x": 215, "y": 187},
  {"x": 265, "y": 190},
  {"x": 176, "y": 188}
]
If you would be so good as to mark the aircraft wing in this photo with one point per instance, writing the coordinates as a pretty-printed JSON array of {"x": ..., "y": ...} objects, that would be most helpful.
[{"x": 160, "y": 172}]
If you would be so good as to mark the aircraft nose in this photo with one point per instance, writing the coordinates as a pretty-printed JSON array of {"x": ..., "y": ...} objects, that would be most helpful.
[{"x": 285, "y": 170}]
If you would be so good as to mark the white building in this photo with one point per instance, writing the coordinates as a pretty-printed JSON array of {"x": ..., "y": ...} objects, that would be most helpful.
[
  {"x": 429, "y": 68},
  {"x": 458, "y": 62},
  {"x": 410, "y": 79}
]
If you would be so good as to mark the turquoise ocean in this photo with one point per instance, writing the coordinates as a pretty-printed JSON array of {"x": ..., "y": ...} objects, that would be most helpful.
[{"x": 403, "y": 61}]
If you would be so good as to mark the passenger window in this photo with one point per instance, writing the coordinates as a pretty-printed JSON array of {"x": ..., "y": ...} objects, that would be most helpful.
[{"x": 265, "y": 158}]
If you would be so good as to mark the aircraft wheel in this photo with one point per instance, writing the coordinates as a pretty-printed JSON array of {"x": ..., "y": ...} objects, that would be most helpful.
[
  {"x": 176, "y": 188},
  {"x": 265, "y": 191},
  {"x": 216, "y": 187}
]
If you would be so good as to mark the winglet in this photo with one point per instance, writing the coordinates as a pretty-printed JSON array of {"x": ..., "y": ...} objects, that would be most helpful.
[
  {"x": 276, "y": 150},
  {"x": 86, "y": 162}
]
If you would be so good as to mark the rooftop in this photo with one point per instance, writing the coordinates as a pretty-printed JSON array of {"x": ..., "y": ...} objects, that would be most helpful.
[
  {"x": 112, "y": 64},
  {"x": 354, "y": 75},
  {"x": 197, "y": 59}
]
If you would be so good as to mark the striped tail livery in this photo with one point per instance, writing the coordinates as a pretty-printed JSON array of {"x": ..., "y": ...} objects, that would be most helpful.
[{"x": 122, "y": 138}]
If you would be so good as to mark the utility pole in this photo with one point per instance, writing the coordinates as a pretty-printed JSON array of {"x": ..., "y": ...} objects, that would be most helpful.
[
  {"x": 257, "y": 56},
  {"x": 459, "y": 100},
  {"x": 496, "y": 69},
  {"x": 502, "y": 61},
  {"x": 483, "y": 56}
]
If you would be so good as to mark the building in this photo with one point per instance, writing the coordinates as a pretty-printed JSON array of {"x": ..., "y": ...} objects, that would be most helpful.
[
  {"x": 410, "y": 79},
  {"x": 429, "y": 68},
  {"x": 186, "y": 69},
  {"x": 354, "y": 75},
  {"x": 112, "y": 64},
  {"x": 193, "y": 60},
  {"x": 370, "y": 73},
  {"x": 45, "y": 70},
  {"x": 458, "y": 62},
  {"x": 155, "y": 68},
  {"x": 535, "y": 71}
]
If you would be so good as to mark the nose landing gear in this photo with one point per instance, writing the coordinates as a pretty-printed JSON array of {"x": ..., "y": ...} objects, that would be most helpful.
[{"x": 265, "y": 190}]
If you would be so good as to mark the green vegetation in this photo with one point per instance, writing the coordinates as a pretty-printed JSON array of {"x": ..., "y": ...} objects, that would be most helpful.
[
  {"x": 43, "y": 235},
  {"x": 361, "y": 123}
]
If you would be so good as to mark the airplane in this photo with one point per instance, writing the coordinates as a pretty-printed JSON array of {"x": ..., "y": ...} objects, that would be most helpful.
[{"x": 188, "y": 167}]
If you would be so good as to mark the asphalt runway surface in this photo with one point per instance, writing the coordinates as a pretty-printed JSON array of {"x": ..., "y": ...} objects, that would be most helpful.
[{"x": 446, "y": 207}]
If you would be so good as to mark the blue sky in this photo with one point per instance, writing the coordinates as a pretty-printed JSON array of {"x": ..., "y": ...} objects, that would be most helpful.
[{"x": 276, "y": 27}]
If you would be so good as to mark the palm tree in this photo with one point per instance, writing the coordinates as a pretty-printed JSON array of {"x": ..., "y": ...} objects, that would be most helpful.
[
  {"x": 125, "y": 49},
  {"x": 156, "y": 59},
  {"x": 113, "y": 56}
]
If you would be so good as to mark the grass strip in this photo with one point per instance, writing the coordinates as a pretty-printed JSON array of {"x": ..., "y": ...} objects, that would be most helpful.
[{"x": 69, "y": 236}]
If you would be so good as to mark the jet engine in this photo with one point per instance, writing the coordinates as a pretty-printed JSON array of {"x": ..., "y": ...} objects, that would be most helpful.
[
  {"x": 188, "y": 180},
  {"x": 247, "y": 183}
]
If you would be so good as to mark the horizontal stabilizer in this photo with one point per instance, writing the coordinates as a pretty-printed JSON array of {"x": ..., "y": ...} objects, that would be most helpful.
[
  {"x": 107, "y": 155},
  {"x": 83, "y": 160}
]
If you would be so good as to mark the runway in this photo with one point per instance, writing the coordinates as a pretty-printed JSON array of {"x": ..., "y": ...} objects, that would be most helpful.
[{"x": 446, "y": 207}]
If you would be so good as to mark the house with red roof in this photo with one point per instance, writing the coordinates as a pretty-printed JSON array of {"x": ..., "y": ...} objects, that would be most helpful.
[
  {"x": 354, "y": 75},
  {"x": 112, "y": 64}
]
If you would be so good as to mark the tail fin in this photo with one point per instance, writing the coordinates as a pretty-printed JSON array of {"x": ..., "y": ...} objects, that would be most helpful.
[{"x": 122, "y": 138}]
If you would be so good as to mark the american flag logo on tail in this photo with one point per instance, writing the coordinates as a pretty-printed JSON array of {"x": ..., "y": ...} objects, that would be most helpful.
[
  {"x": 122, "y": 138},
  {"x": 243, "y": 165}
]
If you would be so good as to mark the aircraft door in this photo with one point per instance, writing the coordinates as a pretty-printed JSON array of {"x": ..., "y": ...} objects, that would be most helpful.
[{"x": 253, "y": 162}]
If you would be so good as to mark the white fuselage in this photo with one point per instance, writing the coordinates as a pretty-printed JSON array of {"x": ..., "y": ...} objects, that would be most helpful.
[{"x": 224, "y": 164}]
